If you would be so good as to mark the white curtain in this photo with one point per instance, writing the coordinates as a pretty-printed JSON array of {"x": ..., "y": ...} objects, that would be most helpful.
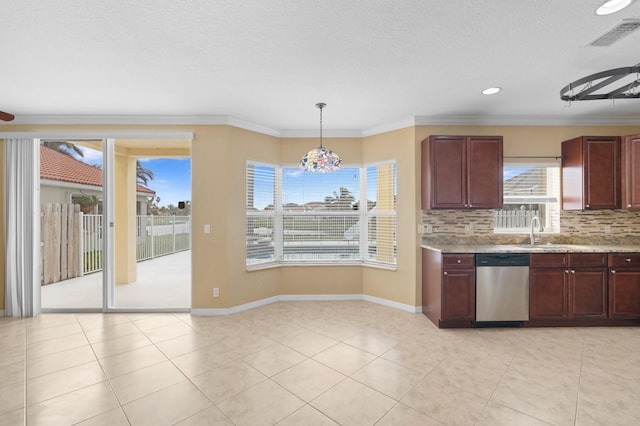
[{"x": 22, "y": 164}]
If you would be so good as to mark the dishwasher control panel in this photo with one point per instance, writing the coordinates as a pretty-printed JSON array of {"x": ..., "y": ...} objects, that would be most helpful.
[{"x": 502, "y": 259}]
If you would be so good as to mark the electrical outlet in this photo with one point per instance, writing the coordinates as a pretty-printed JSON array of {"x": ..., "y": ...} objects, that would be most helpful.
[
  {"x": 607, "y": 229},
  {"x": 429, "y": 229},
  {"x": 207, "y": 228},
  {"x": 216, "y": 292}
]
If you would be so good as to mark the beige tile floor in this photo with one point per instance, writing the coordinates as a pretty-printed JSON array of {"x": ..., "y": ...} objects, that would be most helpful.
[{"x": 311, "y": 363}]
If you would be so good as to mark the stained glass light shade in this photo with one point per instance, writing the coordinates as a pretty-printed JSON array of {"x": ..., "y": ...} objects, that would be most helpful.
[{"x": 321, "y": 160}]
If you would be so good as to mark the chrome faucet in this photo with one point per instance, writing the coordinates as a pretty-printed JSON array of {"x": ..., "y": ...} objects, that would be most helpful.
[{"x": 540, "y": 229}]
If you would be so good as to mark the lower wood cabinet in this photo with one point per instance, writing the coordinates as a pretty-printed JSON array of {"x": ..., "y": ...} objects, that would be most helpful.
[
  {"x": 448, "y": 288},
  {"x": 568, "y": 286},
  {"x": 624, "y": 286}
]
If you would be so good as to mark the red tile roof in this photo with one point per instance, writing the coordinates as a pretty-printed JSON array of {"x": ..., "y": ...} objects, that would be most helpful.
[{"x": 57, "y": 166}]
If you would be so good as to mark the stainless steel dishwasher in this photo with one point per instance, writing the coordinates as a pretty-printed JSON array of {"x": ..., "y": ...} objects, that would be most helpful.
[{"x": 502, "y": 289}]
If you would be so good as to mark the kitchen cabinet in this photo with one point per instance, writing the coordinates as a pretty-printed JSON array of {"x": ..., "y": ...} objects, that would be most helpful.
[
  {"x": 591, "y": 173},
  {"x": 631, "y": 172},
  {"x": 568, "y": 286},
  {"x": 448, "y": 288},
  {"x": 624, "y": 285},
  {"x": 462, "y": 172}
]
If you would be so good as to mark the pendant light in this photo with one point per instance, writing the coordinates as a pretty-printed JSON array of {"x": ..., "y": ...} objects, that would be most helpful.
[{"x": 321, "y": 160}]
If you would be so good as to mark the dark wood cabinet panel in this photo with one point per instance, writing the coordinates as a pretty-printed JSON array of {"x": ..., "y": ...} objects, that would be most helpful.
[
  {"x": 448, "y": 288},
  {"x": 485, "y": 172},
  {"x": 548, "y": 260},
  {"x": 448, "y": 172},
  {"x": 568, "y": 286},
  {"x": 588, "y": 293},
  {"x": 461, "y": 172},
  {"x": 548, "y": 296},
  {"x": 458, "y": 294},
  {"x": 624, "y": 294},
  {"x": 591, "y": 173},
  {"x": 631, "y": 172}
]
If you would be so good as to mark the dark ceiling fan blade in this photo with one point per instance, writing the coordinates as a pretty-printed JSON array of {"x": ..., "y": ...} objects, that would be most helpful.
[{"x": 5, "y": 116}]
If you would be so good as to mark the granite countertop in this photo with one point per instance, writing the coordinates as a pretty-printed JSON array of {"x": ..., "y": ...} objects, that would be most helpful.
[{"x": 537, "y": 248}]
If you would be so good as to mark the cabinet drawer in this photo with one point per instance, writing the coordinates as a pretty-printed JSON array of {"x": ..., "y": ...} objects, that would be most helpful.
[
  {"x": 458, "y": 260},
  {"x": 548, "y": 260},
  {"x": 588, "y": 260},
  {"x": 624, "y": 260}
]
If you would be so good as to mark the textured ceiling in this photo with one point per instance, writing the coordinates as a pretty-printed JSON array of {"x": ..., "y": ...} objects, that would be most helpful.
[{"x": 267, "y": 62}]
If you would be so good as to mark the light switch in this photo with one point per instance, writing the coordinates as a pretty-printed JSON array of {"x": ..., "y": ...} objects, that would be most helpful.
[{"x": 207, "y": 228}]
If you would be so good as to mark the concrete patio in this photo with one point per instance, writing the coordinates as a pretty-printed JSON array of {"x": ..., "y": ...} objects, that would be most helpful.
[{"x": 163, "y": 283}]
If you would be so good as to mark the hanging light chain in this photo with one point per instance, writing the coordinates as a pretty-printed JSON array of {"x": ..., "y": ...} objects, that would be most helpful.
[{"x": 321, "y": 105}]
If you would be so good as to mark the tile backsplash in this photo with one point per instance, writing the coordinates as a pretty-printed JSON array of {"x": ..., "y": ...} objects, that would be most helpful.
[{"x": 576, "y": 227}]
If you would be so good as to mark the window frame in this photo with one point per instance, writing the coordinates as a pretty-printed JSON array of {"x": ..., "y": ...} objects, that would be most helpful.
[
  {"x": 363, "y": 217},
  {"x": 550, "y": 223}
]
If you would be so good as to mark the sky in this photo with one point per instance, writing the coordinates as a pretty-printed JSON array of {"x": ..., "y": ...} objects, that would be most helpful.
[{"x": 172, "y": 176}]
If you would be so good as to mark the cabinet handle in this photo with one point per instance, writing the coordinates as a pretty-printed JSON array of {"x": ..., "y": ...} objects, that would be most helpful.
[{"x": 628, "y": 259}]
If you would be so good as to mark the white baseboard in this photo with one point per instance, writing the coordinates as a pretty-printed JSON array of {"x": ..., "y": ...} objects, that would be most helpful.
[
  {"x": 392, "y": 304},
  {"x": 306, "y": 298}
]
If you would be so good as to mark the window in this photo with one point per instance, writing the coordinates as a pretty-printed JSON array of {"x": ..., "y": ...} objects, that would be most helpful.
[
  {"x": 261, "y": 213},
  {"x": 297, "y": 217},
  {"x": 381, "y": 214},
  {"x": 529, "y": 190}
]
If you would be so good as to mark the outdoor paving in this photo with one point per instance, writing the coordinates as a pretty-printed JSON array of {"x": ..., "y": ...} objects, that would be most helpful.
[{"x": 163, "y": 283}]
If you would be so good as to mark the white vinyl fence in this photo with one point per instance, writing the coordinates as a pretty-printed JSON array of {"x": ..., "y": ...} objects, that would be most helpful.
[
  {"x": 155, "y": 236},
  {"x": 516, "y": 218}
]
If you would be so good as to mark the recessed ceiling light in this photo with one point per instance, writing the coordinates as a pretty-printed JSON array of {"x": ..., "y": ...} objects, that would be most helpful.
[
  {"x": 491, "y": 90},
  {"x": 612, "y": 6}
]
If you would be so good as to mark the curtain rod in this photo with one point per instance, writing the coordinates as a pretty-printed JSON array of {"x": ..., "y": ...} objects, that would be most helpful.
[{"x": 536, "y": 156}]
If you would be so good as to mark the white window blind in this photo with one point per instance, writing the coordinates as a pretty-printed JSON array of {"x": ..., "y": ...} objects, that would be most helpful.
[
  {"x": 261, "y": 214},
  {"x": 529, "y": 190},
  {"x": 348, "y": 216},
  {"x": 381, "y": 214},
  {"x": 319, "y": 213}
]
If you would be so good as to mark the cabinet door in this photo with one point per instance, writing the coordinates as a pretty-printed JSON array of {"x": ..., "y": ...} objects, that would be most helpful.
[
  {"x": 458, "y": 294},
  {"x": 447, "y": 171},
  {"x": 484, "y": 172},
  {"x": 588, "y": 293},
  {"x": 548, "y": 293},
  {"x": 624, "y": 293},
  {"x": 631, "y": 172},
  {"x": 601, "y": 173},
  {"x": 591, "y": 173}
]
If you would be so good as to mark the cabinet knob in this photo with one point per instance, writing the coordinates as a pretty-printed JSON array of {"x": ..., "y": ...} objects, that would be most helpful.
[
  {"x": 445, "y": 273},
  {"x": 628, "y": 259},
  {"x": 587, "y": 206},
  {"x": 628, "y": 205},
  {"x": 566, "y": 271},
  {"x": 459, "y": 261},
  {"x": 573, "y": 271},
  {"x": 613, "y": 272}
]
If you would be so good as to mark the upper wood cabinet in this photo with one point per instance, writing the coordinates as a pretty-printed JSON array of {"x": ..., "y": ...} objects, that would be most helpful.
[
  {"x": 462, "y": 172},
  {"x": 591, "y": 173},
  {"x": 631, "y": 172}
]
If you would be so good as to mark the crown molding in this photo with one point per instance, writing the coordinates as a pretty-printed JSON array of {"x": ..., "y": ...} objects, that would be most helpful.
[
  {"x": 418, "y": 120},
  {"x": 522, "y": 120}
]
